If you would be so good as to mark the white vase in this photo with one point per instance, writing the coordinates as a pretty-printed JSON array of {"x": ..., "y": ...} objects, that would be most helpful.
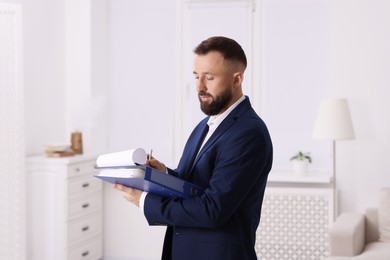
[{"x": 300, "y": 167}]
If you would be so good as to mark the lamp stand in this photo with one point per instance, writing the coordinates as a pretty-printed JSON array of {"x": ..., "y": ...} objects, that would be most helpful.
[{"x": 335, "y": 204}]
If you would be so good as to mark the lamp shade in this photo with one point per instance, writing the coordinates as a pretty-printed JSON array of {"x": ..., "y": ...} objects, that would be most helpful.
[{"x": 334, "y": 121}]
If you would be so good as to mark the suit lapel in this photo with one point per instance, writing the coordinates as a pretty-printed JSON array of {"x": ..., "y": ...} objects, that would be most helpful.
[
  {"x": 198, "y": 140},
  {"x": 213, "y": 138}
]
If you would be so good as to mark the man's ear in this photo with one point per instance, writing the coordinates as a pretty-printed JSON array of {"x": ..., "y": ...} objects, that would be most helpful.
[{"x": 238, "y": 78}]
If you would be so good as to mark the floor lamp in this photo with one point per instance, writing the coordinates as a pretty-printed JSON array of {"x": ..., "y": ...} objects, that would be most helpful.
[{"x": 334, "y": 123}]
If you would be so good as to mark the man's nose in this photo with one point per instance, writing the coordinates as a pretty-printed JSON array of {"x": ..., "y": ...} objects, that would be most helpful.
[{"x": 200, "y": 85}]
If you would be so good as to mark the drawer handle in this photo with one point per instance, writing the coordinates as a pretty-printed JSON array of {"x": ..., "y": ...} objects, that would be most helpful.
[
  {"x": 85, "y": 228},
  {"x": 85, "y": 253},
  {"x": 77, "y": 169},
  {"x": 85, "y": 185},
  {"x": 85, "y": 205}
]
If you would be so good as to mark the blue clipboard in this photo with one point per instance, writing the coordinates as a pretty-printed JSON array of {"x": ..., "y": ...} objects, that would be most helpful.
[{"x": 156, "y": 182}]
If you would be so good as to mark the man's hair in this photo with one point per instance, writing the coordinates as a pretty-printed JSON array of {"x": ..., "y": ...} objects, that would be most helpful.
[{"x": 229, "y": 49}]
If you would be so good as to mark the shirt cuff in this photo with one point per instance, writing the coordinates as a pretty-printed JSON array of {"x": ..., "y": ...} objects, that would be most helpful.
[{"x": 142, "y": 201}]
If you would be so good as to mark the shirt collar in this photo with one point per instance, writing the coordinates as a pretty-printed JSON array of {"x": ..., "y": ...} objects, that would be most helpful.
[{"x": 214, "y": 121}]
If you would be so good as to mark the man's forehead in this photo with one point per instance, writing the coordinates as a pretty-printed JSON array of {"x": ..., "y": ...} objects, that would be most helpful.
[
  {"x": 214, "y": 55},
  {"x": 209, "y": 60},
  {"x": 212, "y": 64}
]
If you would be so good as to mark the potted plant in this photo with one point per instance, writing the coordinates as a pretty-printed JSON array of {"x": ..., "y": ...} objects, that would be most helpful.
[{"x": 300, "y": 162}]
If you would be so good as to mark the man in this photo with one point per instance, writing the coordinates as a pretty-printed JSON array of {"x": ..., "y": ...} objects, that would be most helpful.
[{"x": 229, "y": 153}]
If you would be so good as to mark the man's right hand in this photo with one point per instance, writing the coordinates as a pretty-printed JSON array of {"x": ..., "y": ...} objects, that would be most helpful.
[{"x": 156, "y": 165}]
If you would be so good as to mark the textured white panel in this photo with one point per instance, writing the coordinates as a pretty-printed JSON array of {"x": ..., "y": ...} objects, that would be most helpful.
[
  {"x": 294, "y": 224},
  {"x": 11, "y": 140}
]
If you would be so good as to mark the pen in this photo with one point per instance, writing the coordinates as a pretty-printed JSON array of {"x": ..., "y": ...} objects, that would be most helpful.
[{"x": 150, "y": 155}]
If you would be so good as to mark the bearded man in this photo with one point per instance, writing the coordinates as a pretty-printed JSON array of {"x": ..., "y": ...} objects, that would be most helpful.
[{"x": 229, "y": 153}]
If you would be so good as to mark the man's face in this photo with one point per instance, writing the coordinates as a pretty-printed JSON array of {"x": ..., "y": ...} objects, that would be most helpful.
[{"x": 214, "y": 80}]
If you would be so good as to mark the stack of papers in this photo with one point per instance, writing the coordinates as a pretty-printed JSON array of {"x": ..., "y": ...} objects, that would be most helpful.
[{"x": 58, "y": 150}]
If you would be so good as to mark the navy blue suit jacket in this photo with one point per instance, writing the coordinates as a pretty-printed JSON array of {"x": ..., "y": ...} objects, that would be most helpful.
[{"x": 233, "y": 167}]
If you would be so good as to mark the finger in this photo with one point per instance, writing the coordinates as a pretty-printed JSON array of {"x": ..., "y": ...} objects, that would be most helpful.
[
  {"x": 132, "y": 195},
  {"x": 154, "y": 163},
  {"x": 157, "y": 165},
  {"x": 150, "y": 162},
  {"x": 118, "y": 186},
  {"x": 123, "y": 188},
  {"x": 127, "y": 190}
]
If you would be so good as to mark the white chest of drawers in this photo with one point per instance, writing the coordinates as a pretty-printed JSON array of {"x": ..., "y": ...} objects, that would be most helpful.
[{"x": 64, "y": 209}]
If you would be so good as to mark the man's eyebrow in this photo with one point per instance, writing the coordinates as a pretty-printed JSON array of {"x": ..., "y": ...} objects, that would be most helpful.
[{"x": 203, "y": 73}]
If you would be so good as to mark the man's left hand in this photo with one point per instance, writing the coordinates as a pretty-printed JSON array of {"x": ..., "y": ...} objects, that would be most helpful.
[{"x": 130, "y": 194}]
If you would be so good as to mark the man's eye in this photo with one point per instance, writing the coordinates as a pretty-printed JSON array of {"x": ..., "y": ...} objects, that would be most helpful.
[{"x": 209, "y": 78}]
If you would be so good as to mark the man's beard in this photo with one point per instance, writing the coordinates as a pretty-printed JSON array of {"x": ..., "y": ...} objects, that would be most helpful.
[{"x": 218, "y": 104}]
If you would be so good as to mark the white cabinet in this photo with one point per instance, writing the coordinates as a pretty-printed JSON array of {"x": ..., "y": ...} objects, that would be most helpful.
[{"x": 64, "y": 209}]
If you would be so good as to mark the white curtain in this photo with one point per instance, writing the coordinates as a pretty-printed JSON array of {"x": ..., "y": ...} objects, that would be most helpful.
[{"x": 12, "y": 212}]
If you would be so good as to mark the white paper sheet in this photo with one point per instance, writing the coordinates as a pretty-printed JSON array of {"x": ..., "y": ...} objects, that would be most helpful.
[{"x": 123, "y": 158}]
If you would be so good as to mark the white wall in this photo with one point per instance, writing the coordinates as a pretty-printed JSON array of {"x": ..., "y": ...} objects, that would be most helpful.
[
  {"x": 55, "y": 87},
  {"x": 360, "y": 72},
  {"x": 44, "y": 80},
  {"x": 296, "y": 76},
  {"x": 142, "y": 78}
]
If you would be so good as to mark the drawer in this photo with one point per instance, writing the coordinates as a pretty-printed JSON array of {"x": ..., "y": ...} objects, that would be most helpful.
[
  {"x": 84, "y": 228},
  {"x": 87, "y": 250},
  {"x": 85, "y": 205},
  {"x": 82, "y": 168},
  {"x": 84, "y": 185}
]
